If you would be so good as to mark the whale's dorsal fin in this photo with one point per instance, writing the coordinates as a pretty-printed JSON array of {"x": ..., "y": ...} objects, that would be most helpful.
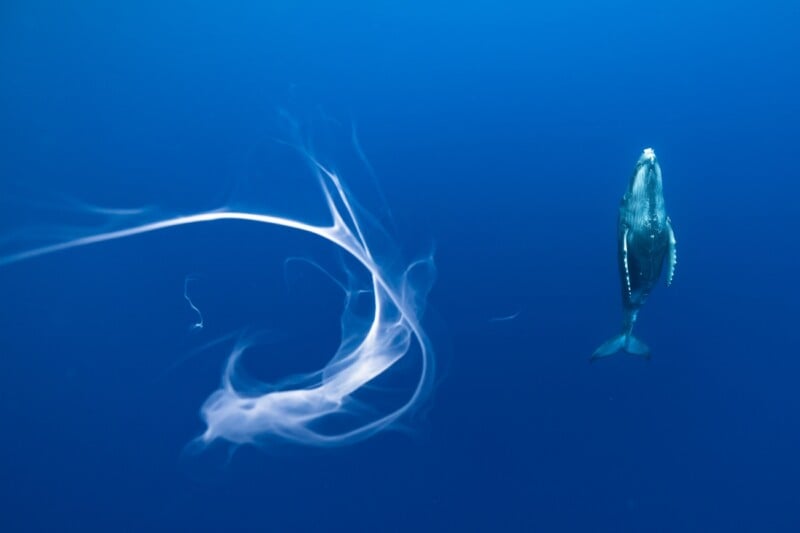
[
  {"x": 673, "y": 253},
  {"x": 625, "y": 261}
]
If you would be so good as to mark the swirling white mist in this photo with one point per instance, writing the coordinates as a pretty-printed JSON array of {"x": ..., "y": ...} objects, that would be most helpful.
[{"x": 296, "y": 410}]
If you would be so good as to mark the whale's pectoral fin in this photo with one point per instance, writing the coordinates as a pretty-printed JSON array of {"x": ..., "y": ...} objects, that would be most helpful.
[
  {"x": 625, "y": 261},
  {"x": 673, "y": 254}
]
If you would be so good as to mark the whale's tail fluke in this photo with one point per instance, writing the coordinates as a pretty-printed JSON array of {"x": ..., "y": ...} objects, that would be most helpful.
[{"x": 623, "y": 342}]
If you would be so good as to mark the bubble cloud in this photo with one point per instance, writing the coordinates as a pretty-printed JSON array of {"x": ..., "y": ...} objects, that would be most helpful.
[{"x": 323, "y": 407}]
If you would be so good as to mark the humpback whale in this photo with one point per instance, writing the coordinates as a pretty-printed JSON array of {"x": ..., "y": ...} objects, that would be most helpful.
[{"x": 645, "y": 241}]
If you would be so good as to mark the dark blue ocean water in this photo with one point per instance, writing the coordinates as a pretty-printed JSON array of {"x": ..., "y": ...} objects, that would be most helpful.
[{"x": 501, "y": 137}]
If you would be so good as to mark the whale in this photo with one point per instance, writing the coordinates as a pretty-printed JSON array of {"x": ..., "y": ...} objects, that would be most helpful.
[{"x": 645, "y": 243}]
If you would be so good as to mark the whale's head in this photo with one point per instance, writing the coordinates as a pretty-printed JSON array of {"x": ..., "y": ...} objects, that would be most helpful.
[{"x": 647, "y": 174}]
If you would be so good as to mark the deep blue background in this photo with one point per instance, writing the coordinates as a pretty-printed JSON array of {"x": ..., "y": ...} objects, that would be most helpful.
[{"x": 502, "y": 134}]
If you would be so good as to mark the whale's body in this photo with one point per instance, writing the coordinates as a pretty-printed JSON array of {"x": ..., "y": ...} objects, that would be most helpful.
[{"x": 645, "y": 243}]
